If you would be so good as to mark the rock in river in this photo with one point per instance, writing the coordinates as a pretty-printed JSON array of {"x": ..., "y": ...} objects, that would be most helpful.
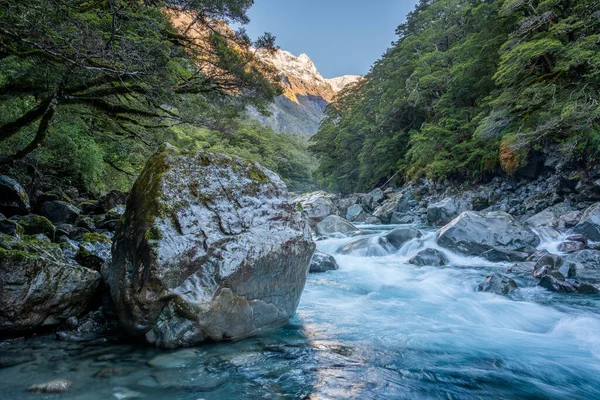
[
  {"x": 474, "y": 233},
  {"x": 210, "y": 248},
  {"x": 38, "y": 289},
  {"x": 322, "y": 262},
  {"x": 589, "y": 225}
]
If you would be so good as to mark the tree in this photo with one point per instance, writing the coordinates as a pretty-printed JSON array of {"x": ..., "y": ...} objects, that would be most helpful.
[{"x": 124, "y": 67}]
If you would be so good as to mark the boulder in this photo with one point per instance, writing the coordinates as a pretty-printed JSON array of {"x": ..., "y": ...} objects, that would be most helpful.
[
  {"x": 555, "y": 284},
  {"x": 544, "y": 218},
  {"x": 377, "y": 196},
  {"x": 589, "y": 259},
  {"x": 38, "y": 289},
  {"x": 429, "y": 257},
  {"x": 109, "y": 201},
  {"x": 334, "y": 224},
  {"x": 367, "y": 247},
  {"x": 356, "y": 213},
  {"x": 373, "y": 221},
  {"x": 211, "y": 247},
  {"x": 570, "y": 219},
  {"x": 60, "y": 212},
  {"x": 571, "y": 246},
  {"x": 399, "y": 218},
  {"x": 389, "y": 207},
  {"x": 399, "y": 236},
  {"x": 498, "y": 284},
  {"x": 34, "y": 224},
  {"x": 442, "y": 212},
  {"x": 496, "y": 255},
  {"x": 589, "y": 225},
  {"x": 13, "y": 198},
  {"x": 322, "y": 262},
  {"x": 10, "y": 227},
  {"x": 94, "y": 251},
  {"x": 521, "y": 268},
  {"x": 474, "y": 233},
  {"x": 318, "y": 205}
]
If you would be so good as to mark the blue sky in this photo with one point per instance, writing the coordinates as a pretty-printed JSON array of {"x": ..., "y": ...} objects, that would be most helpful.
[{"x": 341, "y": 36}]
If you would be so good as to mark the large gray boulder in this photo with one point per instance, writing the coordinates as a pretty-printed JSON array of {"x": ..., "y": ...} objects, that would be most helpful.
[
  {"x": 13, "y": 198},
  {"x": 39, "y": 289},
  {"x": 474, "y": 233},
  {"x": 544, "y": 218},
  {"x": 589, "y": 225},
  {"x": 334, "y": 224},
  {"x": 442, "y": 212},
  {"x": 210, "y": 248},
  {"x": 318, "y": 205}
]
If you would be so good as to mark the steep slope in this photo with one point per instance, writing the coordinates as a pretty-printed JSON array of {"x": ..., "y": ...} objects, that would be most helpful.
[{"x": 306, "y": 93}]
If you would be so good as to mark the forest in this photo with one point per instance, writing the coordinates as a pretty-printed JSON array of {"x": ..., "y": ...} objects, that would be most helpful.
[
  {"x": 90, "y": 88},
  {"x": 471, "y": 89}
]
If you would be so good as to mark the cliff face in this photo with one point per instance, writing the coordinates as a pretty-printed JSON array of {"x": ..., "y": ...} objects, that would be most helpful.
[{"x": 306, "y": 93}]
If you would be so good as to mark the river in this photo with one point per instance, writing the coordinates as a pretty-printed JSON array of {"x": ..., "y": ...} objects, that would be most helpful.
[{"x": 377, "y": 328}]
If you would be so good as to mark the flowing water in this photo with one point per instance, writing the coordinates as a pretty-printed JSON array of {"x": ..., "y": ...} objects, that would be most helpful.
[{"x": 378, "y": 328}]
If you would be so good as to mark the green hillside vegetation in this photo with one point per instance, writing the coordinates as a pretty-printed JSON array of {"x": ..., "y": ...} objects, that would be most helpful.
[
  {"x": 89, "y": 89},
  {"x": 471, "y": 89}
]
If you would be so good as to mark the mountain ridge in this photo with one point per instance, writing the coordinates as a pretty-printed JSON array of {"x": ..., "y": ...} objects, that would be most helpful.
[{"x": 306, "y": 94}]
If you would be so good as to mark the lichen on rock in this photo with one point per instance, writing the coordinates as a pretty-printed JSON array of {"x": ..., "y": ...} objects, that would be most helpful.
[{"x": 210, "y": 248}]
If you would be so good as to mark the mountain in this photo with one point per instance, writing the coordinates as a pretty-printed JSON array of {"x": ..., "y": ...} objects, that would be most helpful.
[{"x": 299, "y": 110}]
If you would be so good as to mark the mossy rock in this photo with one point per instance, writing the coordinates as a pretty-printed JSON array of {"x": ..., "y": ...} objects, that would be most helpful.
[
  {"x": 35, "y": 224},
  {"x": 37, "y": 291},
  {"x": 10, "y": 227},
  {"x": 94, "y": 251}
]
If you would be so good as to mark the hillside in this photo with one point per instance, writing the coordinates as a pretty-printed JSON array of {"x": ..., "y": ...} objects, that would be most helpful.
[
  {"x": 300, "y": 108},
  {"x": 471, "y": 91}
]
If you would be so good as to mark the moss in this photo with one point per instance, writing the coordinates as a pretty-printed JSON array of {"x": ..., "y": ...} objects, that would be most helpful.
[
  {"x": 153, "y": 234},
  {"x": 34, "y": 224},
  {"x": 15, "y": 256},
  {"x": 257, "y": 174},
  {"x": 92, "y": 237}
]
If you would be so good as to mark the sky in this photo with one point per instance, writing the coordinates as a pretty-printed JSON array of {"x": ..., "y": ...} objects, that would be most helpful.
[{"x": 342, "y": 37}]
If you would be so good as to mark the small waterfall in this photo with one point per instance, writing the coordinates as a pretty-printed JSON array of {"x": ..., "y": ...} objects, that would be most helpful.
[{"x": 550, "y": 238}]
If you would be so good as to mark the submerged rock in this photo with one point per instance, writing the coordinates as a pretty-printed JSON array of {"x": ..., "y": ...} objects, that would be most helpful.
[
  {"x": 367, "y": 247},
  {"x": 38, "y": 289},
  {"x": 499, "y": 284},
  {"x": 589, "y": 225},
  {"x": 474, "y": 233},
  {"x": 13, "y": 198},
  {"x": 334, "y": 224},
  {"x": 210, "y": 248},
  {"x": 429, "y": 257},
  {"x": 322, "y": 262},
  {"x": 56, "y": 386}
]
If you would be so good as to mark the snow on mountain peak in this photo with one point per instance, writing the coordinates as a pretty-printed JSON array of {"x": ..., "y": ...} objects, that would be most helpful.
[{"x": 339, "y": 83}]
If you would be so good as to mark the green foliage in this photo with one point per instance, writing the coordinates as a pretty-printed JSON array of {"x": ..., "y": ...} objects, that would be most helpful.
[
  {"x": 88, "y": 89},
  {"x": 469, "y": 88},
  {"x": 284, "y": 154}
]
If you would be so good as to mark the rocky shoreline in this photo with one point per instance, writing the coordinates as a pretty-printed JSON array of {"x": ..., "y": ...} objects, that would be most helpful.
[{"x": 56, "y": 246}]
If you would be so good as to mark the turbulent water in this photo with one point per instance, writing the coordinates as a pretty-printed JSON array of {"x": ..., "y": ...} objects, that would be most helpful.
[{"x": 378, "y": 328}]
